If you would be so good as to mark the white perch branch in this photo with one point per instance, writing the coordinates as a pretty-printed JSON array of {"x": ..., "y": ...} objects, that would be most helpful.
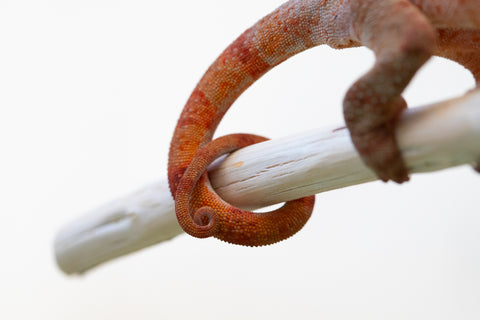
[{"x": 433, "y": 137}]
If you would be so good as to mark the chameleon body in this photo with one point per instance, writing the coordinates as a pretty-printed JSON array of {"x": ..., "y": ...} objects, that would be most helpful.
[{"x": 403, "y": 35}]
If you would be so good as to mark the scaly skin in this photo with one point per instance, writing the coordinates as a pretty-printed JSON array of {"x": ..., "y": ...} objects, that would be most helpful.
[
  {"x": 403, "y": 35},
  {"x": 224, "y": 221}
]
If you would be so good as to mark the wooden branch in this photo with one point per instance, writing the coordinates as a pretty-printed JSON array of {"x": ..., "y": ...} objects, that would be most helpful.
[{"x": 433, "y": 137}]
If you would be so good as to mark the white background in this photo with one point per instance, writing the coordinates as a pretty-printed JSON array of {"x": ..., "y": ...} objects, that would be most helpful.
[{"x": 89, "y": 95}]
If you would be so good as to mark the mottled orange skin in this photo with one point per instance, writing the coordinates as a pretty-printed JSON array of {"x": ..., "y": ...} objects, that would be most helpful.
[
  {"x": 224, "y": 221},
  {"x": 403, "y": 35}
]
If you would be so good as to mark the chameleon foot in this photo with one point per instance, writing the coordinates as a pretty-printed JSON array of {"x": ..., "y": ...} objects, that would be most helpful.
[
  {"x": 373, "y": 134},
  {"x": 379, "y": 150}
]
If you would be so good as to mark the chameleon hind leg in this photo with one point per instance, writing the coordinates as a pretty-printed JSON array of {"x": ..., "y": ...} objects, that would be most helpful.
[{"x": 402, "y": 39}]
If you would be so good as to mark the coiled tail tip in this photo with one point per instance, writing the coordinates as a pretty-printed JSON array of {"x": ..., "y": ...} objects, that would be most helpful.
[{"x": 203, "y": 225}]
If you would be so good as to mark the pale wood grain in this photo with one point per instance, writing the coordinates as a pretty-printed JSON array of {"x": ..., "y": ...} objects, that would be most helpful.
[{"x": 432, "y": 137}]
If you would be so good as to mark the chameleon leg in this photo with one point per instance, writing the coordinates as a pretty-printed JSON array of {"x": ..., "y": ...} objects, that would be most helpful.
[
  {"x": 202, "y": 213},
  {"x": 403, "y": 40}
]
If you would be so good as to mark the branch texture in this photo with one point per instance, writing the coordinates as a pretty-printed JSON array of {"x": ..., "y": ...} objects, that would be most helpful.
[{"x": 432, "y": 137}]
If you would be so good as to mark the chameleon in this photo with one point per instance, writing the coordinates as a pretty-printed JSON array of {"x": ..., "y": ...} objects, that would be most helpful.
[{"x": 403, "y": 34}]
